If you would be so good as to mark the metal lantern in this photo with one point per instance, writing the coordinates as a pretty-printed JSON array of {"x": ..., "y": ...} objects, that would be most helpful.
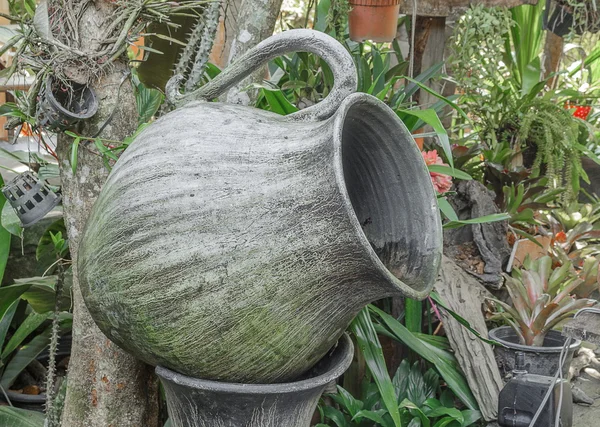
[{"x": 30, "y": 198}]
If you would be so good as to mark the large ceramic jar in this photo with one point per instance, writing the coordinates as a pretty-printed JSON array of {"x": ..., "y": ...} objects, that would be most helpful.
[{"x": 235, "y": 244}]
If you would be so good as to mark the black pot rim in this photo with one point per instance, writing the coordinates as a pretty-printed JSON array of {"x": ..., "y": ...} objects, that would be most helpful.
[
  {"x": 493, "y": 335},
  {"x": 93, "y": 109},
  {"x": 25, "y": 398},
  {"x": 342, "y": 357}
]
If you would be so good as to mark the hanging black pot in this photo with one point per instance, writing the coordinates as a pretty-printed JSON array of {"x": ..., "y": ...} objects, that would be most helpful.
[
  {"x": 562, "y": 22},
  {"x": 31, "y": 198},
  {"x": 194, "y": 402},
  {"x": 60, "y": 106}
]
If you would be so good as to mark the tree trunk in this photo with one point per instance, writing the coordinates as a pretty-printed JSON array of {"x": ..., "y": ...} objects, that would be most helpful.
[
  {"x": 255, "y": 22},
  {"x": 106, "y": 386}
]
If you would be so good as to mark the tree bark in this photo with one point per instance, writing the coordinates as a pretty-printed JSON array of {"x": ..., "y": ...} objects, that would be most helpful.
[
  {"x": 106, "y": 386},
  {"x": 465, "y": 295},
  {"x": 255, "y": 22}
]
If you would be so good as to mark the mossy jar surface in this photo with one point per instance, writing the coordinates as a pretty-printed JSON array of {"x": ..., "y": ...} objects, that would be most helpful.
[{"x": 236, "y": 245}]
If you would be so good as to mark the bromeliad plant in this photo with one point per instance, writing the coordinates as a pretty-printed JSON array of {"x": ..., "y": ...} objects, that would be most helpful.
[{"x": 542, "y": 296}]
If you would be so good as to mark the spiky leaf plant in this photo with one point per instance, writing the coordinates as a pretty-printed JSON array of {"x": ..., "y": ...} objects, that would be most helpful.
[{"x": 542, "y": 297}]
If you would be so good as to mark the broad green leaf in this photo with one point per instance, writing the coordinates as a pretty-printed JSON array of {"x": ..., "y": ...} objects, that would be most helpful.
[
  {"x": 278, "y": 103},
  {"x": 336, "y": 416},
  {"x": 6, "y": 320},
  {"x": 451, "y": 374},
  {"x": 447, "y": 209},
  {"x": 9, "y": 294},
  {"x": 74, "y": 150},
  {"x": 400, "y": 380},
  {"x": 24, "y": 356},
  {"x": 445, "y": 170},
  {"x": 17, "y": 417},
  {"x": 41, "y": 21},
  {"x": 470, "y": 417},
  {"x": 148, "y": 102},
  {"x": 30, "y": 324},
  {"x": 416, "y": 412},
  {"x": 369, "y": 344},
  {"x": 432, "y": 119},
  {"x": 10, "y": 221},
  {"x": 413, "y": 314},
  {"x": 41, "y": 294},
  {"x": 350, "y": 403}
]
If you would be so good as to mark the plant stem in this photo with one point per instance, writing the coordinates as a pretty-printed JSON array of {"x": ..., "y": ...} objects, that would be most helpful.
[{"x": 51, "y": 415}]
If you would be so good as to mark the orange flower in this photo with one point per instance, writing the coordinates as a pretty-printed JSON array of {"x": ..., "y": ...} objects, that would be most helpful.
[
  {"x": 441, "y": 183},
  {"x": 561, "y": 237}
]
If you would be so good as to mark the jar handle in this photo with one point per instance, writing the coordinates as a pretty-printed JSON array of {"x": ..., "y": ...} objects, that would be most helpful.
[{"x": 334, "y": 54}]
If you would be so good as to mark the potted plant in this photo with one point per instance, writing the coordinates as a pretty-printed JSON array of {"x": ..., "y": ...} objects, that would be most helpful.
[
  {"x": 374, "y": 20},
  {"x": 541, "y": 297}
]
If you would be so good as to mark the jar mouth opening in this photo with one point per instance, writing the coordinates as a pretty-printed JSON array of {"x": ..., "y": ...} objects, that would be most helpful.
[{"x": 389, "y": 194}]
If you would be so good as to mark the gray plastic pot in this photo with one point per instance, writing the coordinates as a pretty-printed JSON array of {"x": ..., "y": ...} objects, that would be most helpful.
[
  {"x": 538, "y": 360},
  {"x": 236, "y": 245},
  {"x": 193, "y": 402}
]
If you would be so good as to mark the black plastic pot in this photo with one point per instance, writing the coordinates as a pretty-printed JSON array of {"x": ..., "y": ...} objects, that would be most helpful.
[
  {"x": 59, "y": 109},
  {"x": 538, "y": 360},
  {"x": 193, "y": 402}
]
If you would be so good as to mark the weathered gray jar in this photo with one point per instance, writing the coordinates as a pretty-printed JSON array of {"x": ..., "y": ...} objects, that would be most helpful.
[{"x": 236, "y": 245}]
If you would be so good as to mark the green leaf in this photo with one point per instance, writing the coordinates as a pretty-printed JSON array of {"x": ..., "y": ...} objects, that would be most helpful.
[
  {"x": 9, "y": 294},
  {"x": 451, "y": 373},
  {"x": 41, "y": 295},
  {"x": 369, "y": 344},
  {"x": 470, "y": 417},
  {"x": 278, "y": 103},
  {"x": 10, "y": 221},
  {"x": 445, "y": 170},
  {"x": 447, "y": 209},
  {"x": 352, "y": 405},
  {"x": 4, "y": 237},
  {"x": 441, "y": 98},
  {"x": 413, "y": 314},
  {"x": 17, "y": 417},
  {"x": 6, "y": 320},
  {"x": 30, "y": 324},
  {"x": 24, "y": 356},
  {"x": 148, "y": 102},
  {"x": 432, "y": 119},
  {"x": 415, "y": 411},
  {"x": 438, "y": 300},
  {"x": 74, "y": 149},
  {"x": 336, "y": 416},
  {"x": 481, "y": 220},
  {"x": 41, "y": 21}
]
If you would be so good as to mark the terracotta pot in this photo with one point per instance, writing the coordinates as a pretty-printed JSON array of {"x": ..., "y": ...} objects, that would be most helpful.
[
  {"x": 375, "y": 20},
  {"x": 236, "y": 245}
]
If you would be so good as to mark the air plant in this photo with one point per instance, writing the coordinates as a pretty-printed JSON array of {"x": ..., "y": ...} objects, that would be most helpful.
[{"x": 542, "y": 296}]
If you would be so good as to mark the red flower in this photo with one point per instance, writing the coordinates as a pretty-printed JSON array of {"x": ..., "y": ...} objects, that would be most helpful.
[
  {"x": 581, "y": 111},
  {"x": 441, "y": 183}
]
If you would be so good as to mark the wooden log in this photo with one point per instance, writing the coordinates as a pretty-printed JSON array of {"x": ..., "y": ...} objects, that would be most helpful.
[
  {"x": 450, "y": 7},
  {"x": 463, "y": 294}
]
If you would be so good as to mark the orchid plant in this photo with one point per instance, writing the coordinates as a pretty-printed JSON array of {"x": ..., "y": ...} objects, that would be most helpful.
[{"x": 542, "y": 296}]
